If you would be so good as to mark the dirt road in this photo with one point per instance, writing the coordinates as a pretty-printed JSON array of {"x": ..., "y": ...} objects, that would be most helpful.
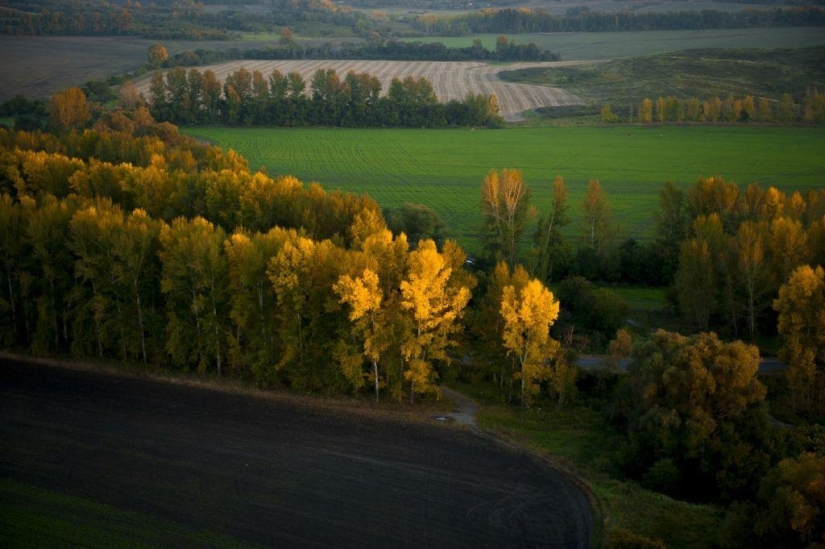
[{"x": 274, "y": 473}]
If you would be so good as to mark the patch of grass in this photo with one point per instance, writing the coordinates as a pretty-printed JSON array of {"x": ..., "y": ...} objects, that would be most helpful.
[
  {"x": 31, "y": 516},
  {"x": 613, "y": 45},
  {"x": 696, "y": 73},
  {"x": 580, "y": 441},
  {"x": 640, "y": 298},
  {"x": 444, "y": 169}
]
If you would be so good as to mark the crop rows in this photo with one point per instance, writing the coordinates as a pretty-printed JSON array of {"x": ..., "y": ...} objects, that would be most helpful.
[{"x": 450, "y": 80}]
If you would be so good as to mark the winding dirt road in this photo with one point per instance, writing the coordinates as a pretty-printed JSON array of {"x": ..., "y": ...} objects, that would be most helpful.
[{"x": 263, "y": 471}]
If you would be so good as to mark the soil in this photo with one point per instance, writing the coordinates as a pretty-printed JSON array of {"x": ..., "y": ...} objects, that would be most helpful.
[{"x": 276, "y": 473}]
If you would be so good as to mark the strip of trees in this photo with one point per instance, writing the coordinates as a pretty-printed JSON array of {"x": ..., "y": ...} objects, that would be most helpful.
[
  {"x": 731, "y": 109},
  {"x": 249, "y": 98},
  {"x": 524, "y": 20}
]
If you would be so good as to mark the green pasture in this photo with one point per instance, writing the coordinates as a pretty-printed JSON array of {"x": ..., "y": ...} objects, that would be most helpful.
[
  {"x": 613, "y": 45},
  {"x": 444, "y": 169}
]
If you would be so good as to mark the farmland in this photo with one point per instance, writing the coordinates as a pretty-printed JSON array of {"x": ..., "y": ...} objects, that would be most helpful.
[
  {"x": 450, "y": 80},
  {"x": 444, "y": 169}
]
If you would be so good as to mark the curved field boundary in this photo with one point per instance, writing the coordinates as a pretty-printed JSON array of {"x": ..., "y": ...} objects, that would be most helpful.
[
  {"x": 139, "y": 462},
  {"x": 451, "y": 80}
]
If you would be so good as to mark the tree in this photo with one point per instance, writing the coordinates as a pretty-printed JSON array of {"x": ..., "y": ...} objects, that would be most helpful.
[
  {"x": 68, "y": 109},
  {"x": 363, "y": 295},
  {"x": 792, "y": 510},
  {"x": 698, "y": 406},
  {"x": 608, "y": 116},
  {"x": 194, "y": 282},
  {"x": 596, "y": 226},
  {"x": 253, "y": 342},
  {"x": 157, "y": 55},
  {"x": 528, "y": 315},
  {"x": 646, "y": 111},
  {"x": 749, "y": 257},
  {"x": 801, "y": 325},
  {"x": 505, "y": 205},
  {"x": 433, "y": 308},
  {"x": 549, "y": 245},
  {"x": 287, "y": 37}
]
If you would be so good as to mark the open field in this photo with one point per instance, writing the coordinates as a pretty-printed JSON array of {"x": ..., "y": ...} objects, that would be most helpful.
[
  {"x": 612, "y": 45},
  {"x": 37, "y": 66},
  {"x": 450, "y": 80},
  {"x": 694, "y": 73},
  {"x": 113, "y": 461},
  {"x": 444, "y": 169}
]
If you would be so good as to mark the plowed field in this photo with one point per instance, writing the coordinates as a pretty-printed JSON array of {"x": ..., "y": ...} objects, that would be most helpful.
[
  {"x": 88, "y": 459},
  {"x": 451, "y": 80}
]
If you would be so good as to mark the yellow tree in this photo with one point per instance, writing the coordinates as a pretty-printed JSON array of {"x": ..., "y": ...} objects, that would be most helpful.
[
  {"x": 68, "y": 109},
  {"x": 434, "y": 308},
  {"x": 505, "y": 205},
  {"x": 801, "y": 325},
  {"x": 646, "y": 111},
  {"x": 363, "y": 295},
  {"x": 528, "y": 314}
]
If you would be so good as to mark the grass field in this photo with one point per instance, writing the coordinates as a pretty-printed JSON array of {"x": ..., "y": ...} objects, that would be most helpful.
[
  {"x": 695, "y": 73},
  {"x": 613, "y": 45},
  {"x": 444, "y": 169}
]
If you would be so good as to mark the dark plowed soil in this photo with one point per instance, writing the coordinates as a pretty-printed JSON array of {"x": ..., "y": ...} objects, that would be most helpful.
[{"x": 276, "y": 473}]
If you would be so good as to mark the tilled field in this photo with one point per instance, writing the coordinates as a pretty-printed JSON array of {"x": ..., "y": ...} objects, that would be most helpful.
[
  {"x": 239, "y": 469},
  {"x": 450, "y": 80}
]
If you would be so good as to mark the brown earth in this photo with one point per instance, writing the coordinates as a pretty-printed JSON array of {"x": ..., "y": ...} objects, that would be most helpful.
[{"x": 276, "y": 472}]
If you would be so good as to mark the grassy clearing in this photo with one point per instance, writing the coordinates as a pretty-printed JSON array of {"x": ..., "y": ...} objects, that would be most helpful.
[
  {"x": 695, "y": 73},
  {"x": 580, "y": 441},
  {"x": 444, "y": 169},
  {"x": 35, "y": 517},
  {"x": 613, "y": 45},
  {"x": 639, "y": 298}
]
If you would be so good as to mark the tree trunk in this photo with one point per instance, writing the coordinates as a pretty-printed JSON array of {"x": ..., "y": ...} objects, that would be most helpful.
[{"x": 375, "y": 373}]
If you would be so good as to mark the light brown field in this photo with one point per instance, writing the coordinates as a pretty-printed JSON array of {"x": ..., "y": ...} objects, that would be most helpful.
[{"x": 451, "y": 80}]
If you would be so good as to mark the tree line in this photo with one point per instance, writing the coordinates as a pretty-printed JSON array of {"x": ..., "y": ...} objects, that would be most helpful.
[
  {"x": 249, "y": 98},
  {"x": 730, "y": 109},
  {"x": 525, "y": 20}
]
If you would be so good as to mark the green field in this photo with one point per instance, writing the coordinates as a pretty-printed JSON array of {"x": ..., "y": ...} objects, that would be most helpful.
[
  {"x": 613, "y": 45},
  {"x": 694, "y": 73},
  {"x": 444, "y": 169}
]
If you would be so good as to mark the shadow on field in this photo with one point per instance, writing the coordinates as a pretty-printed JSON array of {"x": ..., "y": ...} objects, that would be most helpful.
[{"x": 219, "y": 468}]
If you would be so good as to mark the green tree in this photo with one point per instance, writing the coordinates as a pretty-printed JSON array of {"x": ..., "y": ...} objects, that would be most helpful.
[
  {"x": 699, "y": 406},
  {"x": 549, "y": 245},
  {"x": 193, "y": 280}
]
